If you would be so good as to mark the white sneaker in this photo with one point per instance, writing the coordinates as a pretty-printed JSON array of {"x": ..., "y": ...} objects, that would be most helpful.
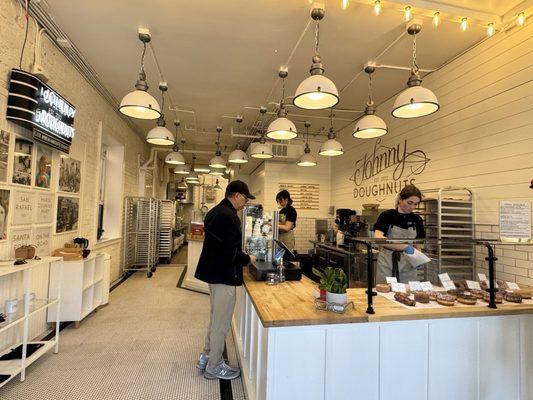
[
  {"x": 202, "y": 361},
  {"x": 222, "y": 371}
]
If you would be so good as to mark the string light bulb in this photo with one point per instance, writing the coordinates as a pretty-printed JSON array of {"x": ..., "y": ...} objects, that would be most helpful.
[
  {"x": 490, "y": 29},
  {"x": 407, "y": 13},
  {"x": 464, "y": 24},
  {"x": 521, "y": 19},
  {"x": 377, "y": 7},
  {"x": 436, "y": 19},
  {"x": 345, "y": 4}
]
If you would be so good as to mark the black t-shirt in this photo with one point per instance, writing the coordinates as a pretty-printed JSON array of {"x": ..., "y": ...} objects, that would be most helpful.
[
  {"x": 392, "y": 217},
  {"x": 290, "y": 214}
]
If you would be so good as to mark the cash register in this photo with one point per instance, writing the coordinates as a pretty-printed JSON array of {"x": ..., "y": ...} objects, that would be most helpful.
[{"x": 260, "y": 269}]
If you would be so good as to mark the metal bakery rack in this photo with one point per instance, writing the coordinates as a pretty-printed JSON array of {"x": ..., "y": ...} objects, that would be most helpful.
[
  {"x": 166, "y": 216},
  {"x": 450, "y": 216},
  {"x": 141, "y": 234}
]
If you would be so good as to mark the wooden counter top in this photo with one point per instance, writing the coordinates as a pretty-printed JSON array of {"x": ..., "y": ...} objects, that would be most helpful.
[{"x": 292, "y": 304}]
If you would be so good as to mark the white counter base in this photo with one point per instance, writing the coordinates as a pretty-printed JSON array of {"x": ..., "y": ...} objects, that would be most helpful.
[
  {"x": 194, "y": 249},
  {"x": 477, "y": 358}
]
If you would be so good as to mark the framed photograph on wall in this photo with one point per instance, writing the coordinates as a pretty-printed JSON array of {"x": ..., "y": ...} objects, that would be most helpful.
[
  {"x": 4, "y": 213},
  {"x": 68, "y": 211},
  {"x": 43, "y": 169},
  {"x": 22, "y": 162},
  {"x": 4, "y": 153},
  {"x": 69, "y": 175},
  {"x": 23, "y": 206}
]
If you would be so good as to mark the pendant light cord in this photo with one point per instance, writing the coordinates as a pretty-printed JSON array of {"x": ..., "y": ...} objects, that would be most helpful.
[
  {"x": 317, "y": 37},
  {"x": 142, "y": 60},
  {"x": 370, "y": 102},
  {"x": 27, "y": 17},
  {"x": 415, "y": 66}
]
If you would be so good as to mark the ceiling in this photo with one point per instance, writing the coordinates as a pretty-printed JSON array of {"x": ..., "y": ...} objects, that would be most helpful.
[{"x": 219, "y": 57}]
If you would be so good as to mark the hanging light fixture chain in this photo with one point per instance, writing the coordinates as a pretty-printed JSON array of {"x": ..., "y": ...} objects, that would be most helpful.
[
  {"x": 317, "y": 37},
  {"x": 415, "y": 65},
  {"x": 142, "y": 59},
  {"x": 370, "y": 89}
]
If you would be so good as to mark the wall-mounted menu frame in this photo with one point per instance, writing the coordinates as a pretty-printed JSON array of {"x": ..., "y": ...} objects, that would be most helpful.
[
  {"x": 68, "y": 211},
  {"x": 4, "y": 154},
  {"x": 41, "y": 240},
  {"x": 20, "y": 237},
  {"x": 305, "y": 196},
  {"x": 22, "y": 162},
  {"x": 4, "y": 212}
]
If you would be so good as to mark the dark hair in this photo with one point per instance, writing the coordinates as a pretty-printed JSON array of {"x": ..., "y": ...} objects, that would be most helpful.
[
  {"x": 284, "y": 195},
  {"x": 408, "y": 191},
  {"x": 229, "y": 195}
]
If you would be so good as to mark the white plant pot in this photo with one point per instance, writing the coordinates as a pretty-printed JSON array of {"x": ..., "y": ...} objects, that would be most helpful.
[{"x": 336, "y": 298}]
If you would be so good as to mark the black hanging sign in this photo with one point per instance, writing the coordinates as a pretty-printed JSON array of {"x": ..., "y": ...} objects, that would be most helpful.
[{"x": 35, "y": 105}]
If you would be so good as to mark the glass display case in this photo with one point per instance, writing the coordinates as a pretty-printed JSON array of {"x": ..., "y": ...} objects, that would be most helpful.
[{"x": 259, "y": 229}]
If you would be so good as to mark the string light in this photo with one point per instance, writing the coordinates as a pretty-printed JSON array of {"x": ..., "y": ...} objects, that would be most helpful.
[
  {"x": 464, "y": 24},
  {"x": 521, "y": 19},
  {"x": 436, "y": 19},
  {"x": 377, "y": 7},
  {"x": 345, "y": 4},
  {"x": 407, "y": 13},
  {"x": 490, "y": 29}
]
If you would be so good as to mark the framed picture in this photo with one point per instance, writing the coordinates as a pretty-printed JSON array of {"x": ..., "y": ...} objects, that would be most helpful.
[
  {"x": 23, "y": 206},
  {"x": 4, "y": 212},
  {"x": 4, "y": 153},
  {"x": 69, "y": 175},
  {"x": 43, "y": 172},
  {"x": 22, "y": 162},
  {"x": 68, "y": 210}
]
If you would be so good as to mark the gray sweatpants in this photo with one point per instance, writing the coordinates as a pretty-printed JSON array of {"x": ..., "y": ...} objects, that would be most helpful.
[{"x": 222, "y": 304}]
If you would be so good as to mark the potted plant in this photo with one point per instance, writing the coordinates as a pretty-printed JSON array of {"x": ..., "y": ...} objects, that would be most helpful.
[{"x": 335, "y": 282}]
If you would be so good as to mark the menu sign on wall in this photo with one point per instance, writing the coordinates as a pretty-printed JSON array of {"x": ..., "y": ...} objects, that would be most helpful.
[
  {"x": 305, "y": 196},
  {"x": 35, "y": 105},
  {"x": 21, "y": 237},
  {"x": 41, "y": 240},
  {"x": 387, "y": 170},
  {"x": 44, "y": 209},
  {"x": 23, "y": 203},
  {"x": 515, "y": 220}
]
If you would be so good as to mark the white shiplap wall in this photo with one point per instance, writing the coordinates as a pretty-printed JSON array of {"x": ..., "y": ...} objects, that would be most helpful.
[{"x": 481, "y": 137}]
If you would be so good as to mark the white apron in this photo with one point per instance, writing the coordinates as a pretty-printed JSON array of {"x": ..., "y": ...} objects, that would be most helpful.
[{"x": 406, "y": 272}]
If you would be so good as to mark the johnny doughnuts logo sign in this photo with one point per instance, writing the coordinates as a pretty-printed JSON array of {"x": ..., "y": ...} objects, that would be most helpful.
[{"x": 387, "y": 170}]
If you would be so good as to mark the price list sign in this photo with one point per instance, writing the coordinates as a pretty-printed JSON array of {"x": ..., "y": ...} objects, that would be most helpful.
[{"x": 306, "y": 196}]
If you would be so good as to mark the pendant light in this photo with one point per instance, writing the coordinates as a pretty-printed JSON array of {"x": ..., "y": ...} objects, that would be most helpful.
[
  {"x": 139, "y": 103},
  {"x": 415, "y": 101},
  {"x": 262, "y": 150},
  {"x": 238, "y": 156},
  {"x": 175, "y": 158},
  {"x": 182, "y": 184},
  {"x": 217, "y": 186},
  {"x": 307, "y": 159},
  {"x": 282, "y": 128},
  {"x": 160, "y": 135},
  {"x": 316, "y": 92},
  {"x": 182, "y": 170},
  {"x": 370, "y": 126},
  {"x": 217, "y": 161},
  {"x": 217, "y": 171},
  {"x": 331, "y": 147},
  {"x": 193, "y": 177}
]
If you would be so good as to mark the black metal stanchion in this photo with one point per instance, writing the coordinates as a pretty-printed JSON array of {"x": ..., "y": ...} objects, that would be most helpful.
[
  {"x": 370, "y": 274},
  {"x": 492, "y": 290}
]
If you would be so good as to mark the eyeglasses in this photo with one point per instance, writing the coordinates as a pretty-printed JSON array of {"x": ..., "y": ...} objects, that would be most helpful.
[{"x": 246, "y": 199}]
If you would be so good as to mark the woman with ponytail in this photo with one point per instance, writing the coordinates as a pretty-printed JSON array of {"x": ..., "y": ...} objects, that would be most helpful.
[{"x": 287, "y": 219}]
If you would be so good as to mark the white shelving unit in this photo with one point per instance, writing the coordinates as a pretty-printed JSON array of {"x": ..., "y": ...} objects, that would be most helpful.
[
  {"x": 83, "y": 288},
  {"x": 11, "y": 368}
]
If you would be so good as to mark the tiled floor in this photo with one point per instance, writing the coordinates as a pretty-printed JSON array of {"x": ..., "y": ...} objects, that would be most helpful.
[{"x": 143, "y": 345}]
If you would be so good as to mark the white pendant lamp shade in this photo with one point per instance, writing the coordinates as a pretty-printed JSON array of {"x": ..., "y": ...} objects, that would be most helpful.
[
  {"x": 262, "y": 151},
  {"x": 193, "y": 176},
  {"x": 415, "y": 101},
  {"x": 217, "y": 162},
  {"x": 316, "y": 93},
  {"x": 161, "y": 136},
  {"x": 331, "y": 148},
  {"x": 281, "y": 129},
  {"x": 217, "y": 172},
  {"x": 370, "y": 126},
  {"x": 182, "y": 184},
  {"x": 175, "y": 158},
  {"x": 182, "y": 170},
  {"x": 141, "y": 105},
  {"x": 307, "y": 159},
  {"x": 238, "y": 156},
  {"x": 202, "y": 169}
]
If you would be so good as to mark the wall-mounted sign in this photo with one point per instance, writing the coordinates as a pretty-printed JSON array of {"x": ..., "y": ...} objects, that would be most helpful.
[
  {"x": 44, "y": 209},
  {"x": 515, "y": 220},
  {"x": 20, "y": 237},
  {"x": 35, "y": 105},
  {"x": 41, "y": 240},
  {"x": 305, "y": 196},
  {"x": 387, "y": 170},
  {"x": 23, "y": 203},
  {"x": 68, "y": 209}
]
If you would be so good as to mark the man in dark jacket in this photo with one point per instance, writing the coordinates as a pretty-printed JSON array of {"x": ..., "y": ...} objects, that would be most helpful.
[{"x": 220, "y": 265}]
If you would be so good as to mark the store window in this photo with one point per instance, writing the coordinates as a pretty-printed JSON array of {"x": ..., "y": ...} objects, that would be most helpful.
[{"x": 110, "y": 192}]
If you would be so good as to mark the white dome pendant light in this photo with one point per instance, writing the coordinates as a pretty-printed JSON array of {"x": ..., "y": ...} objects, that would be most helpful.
[
  {"x": 261, "y": 149},
  {"x": 370, "y": 125},
  {"x": 193, "y": 177},
  {"x": 217, "y": 161},
  {"x": 238, "y": 156},
  {"x": 139, "y": 103},
  {"x": 182, "y": 184},
  {"x": 282, "y": 128},
  {"x": 415, "y": 101},
  {"x": 316, "y": 92},
  {"x": 160, "y": 135},
  {"x": 174, "y": 157},
  {"x": 307, "y": 159},
  {"x": 331, "y": 147}
]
